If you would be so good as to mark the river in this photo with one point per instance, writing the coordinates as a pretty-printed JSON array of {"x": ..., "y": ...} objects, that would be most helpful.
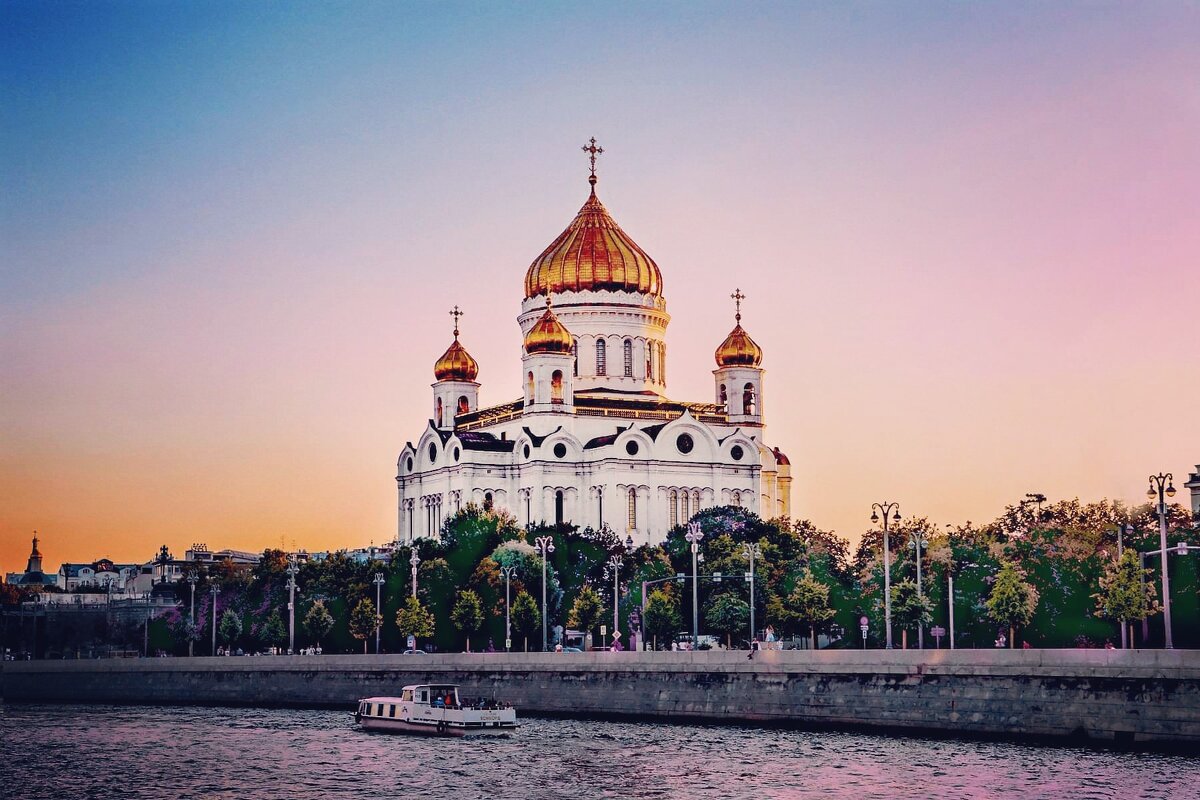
[{"x": 134, "y": 752}]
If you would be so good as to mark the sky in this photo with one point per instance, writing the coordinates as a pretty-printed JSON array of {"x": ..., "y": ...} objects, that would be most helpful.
[{"x": 230, "y": 235}]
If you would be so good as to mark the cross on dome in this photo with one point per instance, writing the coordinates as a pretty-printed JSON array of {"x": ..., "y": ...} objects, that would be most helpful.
[
  {"x": 456, "y": 314},
  {"x": 738, "y": 297},
  {"x": 592, "y": 150}
]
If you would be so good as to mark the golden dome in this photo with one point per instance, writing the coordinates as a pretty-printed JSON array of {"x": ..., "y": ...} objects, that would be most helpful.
[
  {"x": 738, "y": 349},
  {"x": 456, "y": 363},
  {"x": 548, "y": 335},
  {"x": 593, "y": 253}
]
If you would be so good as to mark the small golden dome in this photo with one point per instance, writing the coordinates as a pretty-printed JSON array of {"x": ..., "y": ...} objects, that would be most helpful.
[
  {"x": 456, "y": 363},
  {"x": 592, "y": 254},
  {"x": 548, "y": 335},
  {"x": 738, "y": 349}
]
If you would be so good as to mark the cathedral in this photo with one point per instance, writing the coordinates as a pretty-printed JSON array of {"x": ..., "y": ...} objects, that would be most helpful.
[{"x": 594, "y": 440}]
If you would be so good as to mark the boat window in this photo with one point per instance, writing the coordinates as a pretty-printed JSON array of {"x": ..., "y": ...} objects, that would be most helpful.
[
  {"x": 423, "y": 696},
  {"x": 407, "y": 695},
  {"x": 391, "y": 711}
]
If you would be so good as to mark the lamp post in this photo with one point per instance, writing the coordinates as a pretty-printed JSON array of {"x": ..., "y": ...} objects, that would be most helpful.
[
  {"x": 694, "y": 537},
  {"x": 751, "y": 550},
  {"x": 916, "y": 543},
  {"x": 886, "y": 509},
  {"x": 191, "y": 579},
  {"x": 546, "y": 545},
  {"x": 614, "y": 563},
  {"x": 1162, "y": 484},
  {"x": 414, "y": 559},
  {"x": 292, "y": 570},
  {"x": 507, "y": 572},
  {"x": 378, "y": 608},
  {"x": 214, "y": 619}
]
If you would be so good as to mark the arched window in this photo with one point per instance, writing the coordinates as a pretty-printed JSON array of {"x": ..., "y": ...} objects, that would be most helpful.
[
  {"x": 601, "y": 357},
  {"x": 556, "y": 387},
  {"x": 736, "y": 498},
  {"x": 437, "y": 412},
  {"x": 662, "y": 362},
  {"x": 649, "y": 361},
  {"x": 558, "y": 507},
  {"x": 464, "y": 405},
  {"x": 600, "y": 503},
  {"x": 673, "y": 504},
  {"x": 748, "y": 399},
  {"x": 575, "y": 350},
  {"x": 683, "y": 507},
  {"x": 696, "y": 502},
  {"x": 487, "y": 501},
  {"x": 632, "y": 508},
  {"x": 724, "y": 402},
  {"x": 529, "y": 386},
  {"x": 628, "y": 358}
]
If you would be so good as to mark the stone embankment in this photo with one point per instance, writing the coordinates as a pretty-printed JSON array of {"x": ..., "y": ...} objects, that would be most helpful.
[{"x": 1149, "y": 698}]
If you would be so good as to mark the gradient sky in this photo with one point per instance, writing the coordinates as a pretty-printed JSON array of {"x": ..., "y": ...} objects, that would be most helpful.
[{"x": 230, "y": 234}]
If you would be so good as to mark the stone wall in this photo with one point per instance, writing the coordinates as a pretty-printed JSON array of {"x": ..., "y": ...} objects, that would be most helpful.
[{"x": 1148, "y": 697}]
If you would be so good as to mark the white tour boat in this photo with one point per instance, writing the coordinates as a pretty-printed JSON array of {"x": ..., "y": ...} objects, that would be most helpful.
[{"x": 435, "y": 709}]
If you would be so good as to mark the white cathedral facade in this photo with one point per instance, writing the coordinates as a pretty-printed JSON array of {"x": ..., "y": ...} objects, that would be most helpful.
[{"x": 594, "y": 440}]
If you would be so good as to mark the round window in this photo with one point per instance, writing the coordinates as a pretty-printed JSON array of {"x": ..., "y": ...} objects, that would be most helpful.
[
  {"x": 527, "y": 451},
  {"x": 408, "y": 465},
  {"x": 685, "y": 443},
  {"x": 560, "y": 450},
  {"x": 457, "y": 454},
  {"x": 631, "y": 448},
  {"x": 432, "y": 452},
  {"x": 736, "y": 452}
]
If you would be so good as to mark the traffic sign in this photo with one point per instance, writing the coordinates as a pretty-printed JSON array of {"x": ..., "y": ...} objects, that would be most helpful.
[
  {"x": 863, "y": 621},
  {"x": 937, "y": 630},
  {"x": 412, "y": 642},
  {"x": 508, "y": 644},
  {"x": 604, "y": 630}
]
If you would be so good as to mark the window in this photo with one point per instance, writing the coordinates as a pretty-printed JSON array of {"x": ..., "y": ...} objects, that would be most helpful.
[
  {"x": 673, "y": 505},
  {"x": 631, "y": 448},
  {"x": 600, "y": 502},
  {"x": 487, "y": 501},
  {"x": 736, "y": 497},
  {"x": 696, "y": 502},
  {"x": 437, "y": 412},
  {"x": 662, "y": 362},
  {"x": 560, "y": 450},
  {"x": 558, "y": 507},
  {"x": 736, "y": 452},
  {"x": 683, "y": 506},
  {"x": 529, "y": 386},
  {"x": 628, "y": 358},
  {"x": 432, "y": 453},
  {"x": 464, "y": 405},
  {"x": 391, "y": 710},
  {"x": 724, "y": 401},
  {"x": 748, "y": 399},
  {"x": 528, "y": 509},
  {"x": 575, "y": 350},
  {"x": 632, "y": 508},
  {"x": 556, "y": 387},
  {"x": 685, "y": 443},
  {"x": 601, "y": 357},
  {"x": 649, "y": 361}
]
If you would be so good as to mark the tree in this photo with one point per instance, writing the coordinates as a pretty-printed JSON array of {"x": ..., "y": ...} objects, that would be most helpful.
[
  {"x": 230, "y": 628},
  {"x": 909, "y": 609},
  {"x": 414, "y": 620},
  {"x": 586, "y": 611},
  {"x": 467, "y": 614},
  {"x": 661, "y": 617},
  {"x": 1012, "y": 601},
  {"x": 728, "y": 614},
  {"x": 524, "y": 616},
  {"x": 274, "y": 634},
  {"x": 808, "y": 604},
  {"x": 363, "y": 621},
  {"x": 318, "y": 621},
  {"x": 1123, "y": 596}
]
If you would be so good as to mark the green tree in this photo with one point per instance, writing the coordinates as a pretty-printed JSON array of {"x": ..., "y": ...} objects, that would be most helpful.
[
  {"x": 586, "y": 611},
  {"x": 909, "y": 609},
  {"x": 230, "y": 628},
  {"x": 467, "y": 614},
  {"x": 661, "y": 617},
  {"x": 728, "y": 614},
  {"x": 363, "y": 620},
  {"x": 808, "y": 604},
  {"x": 1124, "y": 597},
  {"x": 524, "y": 616},
  {"x": 414, "y": 620},
  {"x": 318, "y": 621},
  {"x": 274, "y": 634},
  {"x": 1012, "y": 600}
]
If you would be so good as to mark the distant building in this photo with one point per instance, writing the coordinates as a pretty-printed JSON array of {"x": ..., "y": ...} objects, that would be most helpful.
[
  {"x": 1193, "y": 485},
  {"x": 102, "y": 575},
  {"x": 200, "y": 553},
  {"x": 359, "y": 555},
  {"x": 33, "y": 577}
]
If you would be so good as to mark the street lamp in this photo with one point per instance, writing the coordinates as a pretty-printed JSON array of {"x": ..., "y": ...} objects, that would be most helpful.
[
  {"x": 191, "y": 579},
  {"x": 1162, "y": 484},
  {"x": 916, "y": 543},
  {"x": 378, "y": 609},
  {"x": 546, "y": 545},
  {"x": 214, "y": 619},
  {"x": 414, "y": 559},
  {"x": 694, "y": 537},
  {"x": 292, "y": 570},
  {"x": 507, "y": 572},
  {"x": 886, "y": 509},
  {"x": 751, "y": 550},
  {"x": 614, "y": 563}
]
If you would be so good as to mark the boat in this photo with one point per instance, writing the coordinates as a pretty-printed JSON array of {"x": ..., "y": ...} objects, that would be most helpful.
[{"x": 435, "y": 710}]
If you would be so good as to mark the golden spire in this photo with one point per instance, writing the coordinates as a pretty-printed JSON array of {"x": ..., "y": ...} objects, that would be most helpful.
[
  {"x": 456, "y": 363},
  {"x": 738, "y": 349}
]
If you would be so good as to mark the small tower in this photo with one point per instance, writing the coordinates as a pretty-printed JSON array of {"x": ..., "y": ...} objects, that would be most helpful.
[
  {"x": 455, "y": 391},
  {"x": 548, "y": 365},
  {"x": 35, "y": 557},
  {"x": 739, "y": 379}
]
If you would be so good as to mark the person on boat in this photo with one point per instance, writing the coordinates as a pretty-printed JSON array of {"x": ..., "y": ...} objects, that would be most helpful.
[{"x": 439, "y": 701}]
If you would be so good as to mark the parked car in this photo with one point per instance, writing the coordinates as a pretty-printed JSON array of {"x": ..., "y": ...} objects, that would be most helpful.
[{"x": 415, "y": 653}]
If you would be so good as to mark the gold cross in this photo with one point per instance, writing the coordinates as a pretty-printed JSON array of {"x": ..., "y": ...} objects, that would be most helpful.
[
  {"x": 592, "y": 150},
  {"x": 738, "y": 297},
  {"x": 456, "y": 314}
]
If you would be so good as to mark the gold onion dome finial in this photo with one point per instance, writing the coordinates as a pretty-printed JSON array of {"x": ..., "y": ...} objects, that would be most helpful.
[
  {"x": 548, "y": 335},
  {"x": 738, "y": 349},
  {"x": 593, "y": 253},
  {"x": 456, "y": 363}
]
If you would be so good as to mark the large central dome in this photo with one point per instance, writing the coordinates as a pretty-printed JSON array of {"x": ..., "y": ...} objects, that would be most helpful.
[{"x": 593, "y": 253}]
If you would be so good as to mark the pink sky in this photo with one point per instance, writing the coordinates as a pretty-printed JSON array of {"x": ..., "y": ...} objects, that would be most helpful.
[{"x": 968, "y": 239}]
